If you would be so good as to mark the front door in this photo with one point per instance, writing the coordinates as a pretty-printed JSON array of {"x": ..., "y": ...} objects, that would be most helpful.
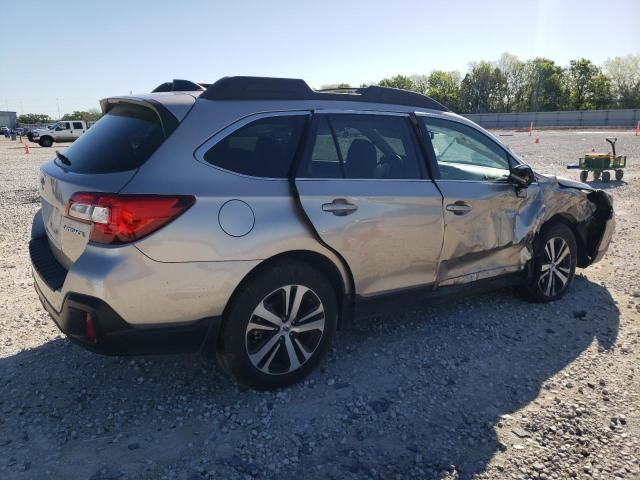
[
  {"x": 63, "y": 132},
  {"x": 482, "y": 210},
  {"x": 363, "y": 186}
]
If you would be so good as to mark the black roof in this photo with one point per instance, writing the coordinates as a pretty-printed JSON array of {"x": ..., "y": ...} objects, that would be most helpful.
[{"x": 268, "y": 88}]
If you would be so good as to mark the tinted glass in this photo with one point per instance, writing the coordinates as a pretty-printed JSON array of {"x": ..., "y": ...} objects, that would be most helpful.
[
  {"x": 121, "y": 140},
  {"x": 368, "y": 146},
  {"x": 263, "y": 148},
  {"x": 77, "y": 125},
  {"x": 325, "y": 162},
  {"x": 463, "y": 153}
]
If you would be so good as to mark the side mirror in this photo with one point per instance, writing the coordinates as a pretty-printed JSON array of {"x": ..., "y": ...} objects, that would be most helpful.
[{"x": 521, "y": 175}]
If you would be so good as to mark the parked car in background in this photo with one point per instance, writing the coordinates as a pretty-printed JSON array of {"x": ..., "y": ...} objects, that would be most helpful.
[
  {"x": 251, "y": 218},
  {"x": 63, "y": 131},
  {"x": 3, "y": 130}
]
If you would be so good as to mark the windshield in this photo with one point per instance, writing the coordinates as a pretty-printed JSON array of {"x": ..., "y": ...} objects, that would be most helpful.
[{"x": 121, "y": 140}]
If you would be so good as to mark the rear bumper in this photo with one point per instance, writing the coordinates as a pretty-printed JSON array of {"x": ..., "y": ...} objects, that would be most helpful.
[
  {"x": 114, "y": 336},
  {"x": 137, "y": 305}
]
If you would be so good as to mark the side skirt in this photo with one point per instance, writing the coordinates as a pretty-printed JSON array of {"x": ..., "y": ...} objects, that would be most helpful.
[{"x": 364, "y": 307}]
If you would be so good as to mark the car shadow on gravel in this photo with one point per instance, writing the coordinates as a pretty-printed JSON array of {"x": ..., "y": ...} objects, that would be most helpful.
[{"x": 419, "y": 394}]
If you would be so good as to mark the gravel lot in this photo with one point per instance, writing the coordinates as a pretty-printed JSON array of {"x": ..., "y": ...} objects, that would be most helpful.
[{"x": 483, "y": 387}]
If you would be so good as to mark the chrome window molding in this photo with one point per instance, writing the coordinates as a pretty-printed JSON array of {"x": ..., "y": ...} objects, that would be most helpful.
[
  {"x": 336, "y": 179},
  {"x": 337, "y": 111}
]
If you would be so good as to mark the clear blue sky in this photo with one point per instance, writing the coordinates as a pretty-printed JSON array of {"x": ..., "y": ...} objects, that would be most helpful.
[{"x": 79, "y": 51}]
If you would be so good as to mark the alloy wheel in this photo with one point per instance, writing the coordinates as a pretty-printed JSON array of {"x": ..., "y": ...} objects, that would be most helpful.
[
  {"x": 556, "y": 267},
  {"x": 285, "y": 329}
]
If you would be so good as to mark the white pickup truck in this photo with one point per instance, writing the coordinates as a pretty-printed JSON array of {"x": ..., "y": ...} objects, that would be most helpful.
[{"x": 62, "y": 131}]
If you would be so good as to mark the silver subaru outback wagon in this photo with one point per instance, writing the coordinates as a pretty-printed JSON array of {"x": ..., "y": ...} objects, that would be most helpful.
[{"x": 252, "y": 217}]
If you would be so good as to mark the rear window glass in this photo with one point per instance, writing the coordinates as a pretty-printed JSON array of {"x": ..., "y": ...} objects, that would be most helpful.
[
  {"x": 263, "y": 148},
  {"x": 121, "y": 140}
]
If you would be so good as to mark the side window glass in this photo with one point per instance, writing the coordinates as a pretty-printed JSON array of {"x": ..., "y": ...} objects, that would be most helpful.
[
  {"x": 325, "y": 161},
  {"x": 77, "y": 126},
  {"x": 363, "y": 147},
  {"x": 463, "y": 153},
  {"x": 263, "y": 148}
]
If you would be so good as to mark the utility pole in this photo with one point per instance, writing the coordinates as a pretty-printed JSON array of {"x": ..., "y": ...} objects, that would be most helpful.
[{"x": 58, "y": 105}]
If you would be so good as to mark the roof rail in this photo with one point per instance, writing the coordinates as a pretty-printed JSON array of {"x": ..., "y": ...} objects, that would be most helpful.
[
  {"x": 181, "y": 86},
  {"x": 267, "y": 88}
]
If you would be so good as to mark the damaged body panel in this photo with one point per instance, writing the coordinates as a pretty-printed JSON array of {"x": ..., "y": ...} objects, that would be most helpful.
[{"x": 497, "y": 235}]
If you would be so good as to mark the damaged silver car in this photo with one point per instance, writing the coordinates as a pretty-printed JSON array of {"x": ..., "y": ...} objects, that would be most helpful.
[{"x": 252, "y": 217}]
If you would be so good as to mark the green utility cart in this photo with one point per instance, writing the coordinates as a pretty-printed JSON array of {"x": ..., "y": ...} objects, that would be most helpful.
[{"x": 601, "y": 164}]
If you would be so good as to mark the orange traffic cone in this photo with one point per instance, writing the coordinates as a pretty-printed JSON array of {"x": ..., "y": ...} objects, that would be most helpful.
[
  {"x": 537, "y": 139},
  {"x": 26, "y": 148}
]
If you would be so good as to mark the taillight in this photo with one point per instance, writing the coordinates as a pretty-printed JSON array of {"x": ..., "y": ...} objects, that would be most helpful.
[{"x": 125, "y": 218}]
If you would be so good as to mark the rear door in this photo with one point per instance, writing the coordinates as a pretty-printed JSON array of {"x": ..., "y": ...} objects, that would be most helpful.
[
  {"x": 104, "y": 159},
  {"x": 77, "y": 129},
  {"x": 481, "y": 209},
  {"x": 363, "y": 185}
]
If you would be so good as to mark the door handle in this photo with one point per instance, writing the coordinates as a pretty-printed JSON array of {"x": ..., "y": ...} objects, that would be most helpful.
[
  {"x": 339, "y": 207},
  {"x": 459, "y": 208}
]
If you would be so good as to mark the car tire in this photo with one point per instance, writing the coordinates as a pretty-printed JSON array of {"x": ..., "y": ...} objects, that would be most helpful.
[
  {"x": 45, "y": 142},
  {"x": 584, "y": 175},
  {"x": 263, "y": 342},
  {"x": 606, "y": 176},
  {"x": 552, "y": 268}
]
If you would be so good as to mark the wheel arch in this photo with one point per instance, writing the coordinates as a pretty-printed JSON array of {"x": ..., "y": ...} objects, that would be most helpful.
[
  {"x": 578, "y": 231},
  {"x": 339, "y": 276}
]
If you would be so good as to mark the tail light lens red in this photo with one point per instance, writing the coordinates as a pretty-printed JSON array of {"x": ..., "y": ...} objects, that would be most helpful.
[{"x": 117, "y": 219}]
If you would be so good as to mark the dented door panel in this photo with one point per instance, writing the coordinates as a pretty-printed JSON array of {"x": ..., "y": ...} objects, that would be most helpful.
[
  {"x": 485, "y": 240},
  {"x": 496, "y": 235}
]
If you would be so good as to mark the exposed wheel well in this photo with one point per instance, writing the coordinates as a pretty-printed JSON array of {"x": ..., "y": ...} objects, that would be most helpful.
[
  {"x": 316, "y": 260},
  {"x": 578, "y": 233}
]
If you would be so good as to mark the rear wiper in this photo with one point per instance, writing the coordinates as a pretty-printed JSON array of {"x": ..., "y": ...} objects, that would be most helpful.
[{"x": 63, "y": 158}]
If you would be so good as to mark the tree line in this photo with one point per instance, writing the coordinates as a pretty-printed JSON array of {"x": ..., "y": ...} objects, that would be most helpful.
[
  {"x": 506, "y": 85},
  {"x": 91, "y": 115},
  {"x": 539, "y": 84}
]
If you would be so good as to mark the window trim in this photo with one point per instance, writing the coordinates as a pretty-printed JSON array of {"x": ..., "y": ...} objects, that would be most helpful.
[
  {"x": 433, "y": 162},
  {"x": 329, "y": 112},
  {"x": 217, "y": 137}
]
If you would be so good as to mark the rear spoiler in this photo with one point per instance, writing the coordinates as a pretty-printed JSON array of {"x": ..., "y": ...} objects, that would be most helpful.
[{"x": 168, "y": 121}]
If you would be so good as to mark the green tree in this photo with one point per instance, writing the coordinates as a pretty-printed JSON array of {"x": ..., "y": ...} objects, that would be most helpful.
[
  {"x": 580, "y": 77},
  {"x": 600, "y": 95},
  {"x": 91, "y": 115},
  {"x": 482, "y": 89},
  {"x": 545, "y": 88},
  {"x": 445, "y": 88},
  {"x": 34, "y": 118},
  {"x": 624, "y": 74},
  {"x": 331, "y": 86},
  {"x": 399, "y": 81},
  {"x": 515, "y": 75}
]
